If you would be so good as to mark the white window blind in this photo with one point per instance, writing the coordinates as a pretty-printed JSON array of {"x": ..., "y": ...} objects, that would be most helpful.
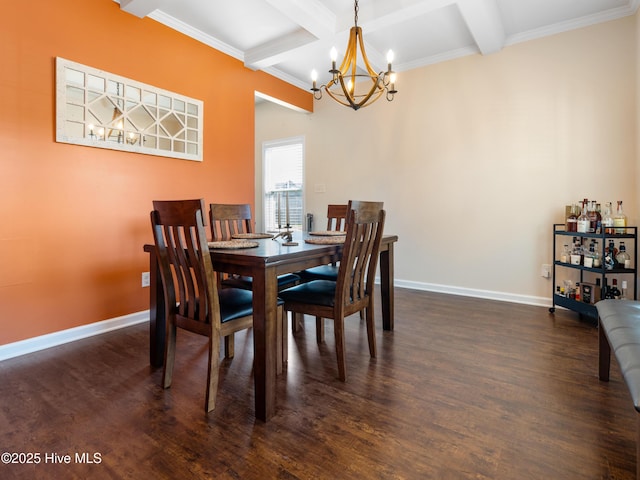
[{"x": 283, "y": 175}]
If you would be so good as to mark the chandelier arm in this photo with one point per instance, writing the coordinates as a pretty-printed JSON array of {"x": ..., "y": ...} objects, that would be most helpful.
[{"x": 368, "y": 66}]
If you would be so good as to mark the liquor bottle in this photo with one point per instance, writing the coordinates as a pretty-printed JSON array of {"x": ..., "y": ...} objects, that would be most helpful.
[
  {"x": 599, "y": 213},
  {"x": 623, "y": 258},
  {"x": 607, "y": 219},
  {"x": 577, "y": 252},
  {"x": 597, "y": 259},
  {"x": 590, "y": 258},
  {"x": 595, "y": 219},
  {"x": 615, "y": 291},
  {"x": 624, "y": 290},
  {"x": 583, "y": 219},
  {"x": 572, "y": 219},
  {"x": 565, "y": 256},
  {"x": 620, "y": 219},
  {"x": 610, "y": 257}
]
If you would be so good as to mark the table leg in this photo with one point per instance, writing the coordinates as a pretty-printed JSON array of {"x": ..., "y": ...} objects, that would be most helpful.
[
  {"x": 386, "y": 286},
  {"x": 265, "y": 293},
  {"x": 157, "y": 317}
]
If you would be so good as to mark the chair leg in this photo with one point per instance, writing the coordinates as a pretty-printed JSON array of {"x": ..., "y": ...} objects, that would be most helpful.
[
  {"x": 320, "y": 329},
  {"x": 213, "y": 371},
  {"x": 229, "y": 346},
  {"x": 371, "y": 331},
  {"x": 297, "y": 321},
  {"x": 281, "y": 339},
  {"x": 341, "y": 353},
  {"x": 169, "y": 355}
]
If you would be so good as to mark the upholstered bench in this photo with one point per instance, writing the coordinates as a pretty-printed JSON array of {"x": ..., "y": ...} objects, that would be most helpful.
[{"x": 619, "y": 330}]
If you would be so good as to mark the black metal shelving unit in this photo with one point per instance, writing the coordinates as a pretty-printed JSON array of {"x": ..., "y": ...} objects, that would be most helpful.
[{"x": 588, "y": 310}]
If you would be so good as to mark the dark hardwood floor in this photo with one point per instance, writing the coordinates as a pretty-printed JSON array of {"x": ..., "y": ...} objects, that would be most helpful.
[{"x": 462, "y": 389}]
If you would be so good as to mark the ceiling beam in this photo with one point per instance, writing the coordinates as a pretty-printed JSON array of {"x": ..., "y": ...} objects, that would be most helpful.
[
  {"x": 140, "y": 8},
  {"x": 315, "y": 21},
  {"x": 485, "y": 24},
  {"x": 273, "y": 52},
  {"x": 311, "y": 15}
]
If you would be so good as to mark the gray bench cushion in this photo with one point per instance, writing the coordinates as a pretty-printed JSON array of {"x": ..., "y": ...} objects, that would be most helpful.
[{"x": 620, "y": 321}]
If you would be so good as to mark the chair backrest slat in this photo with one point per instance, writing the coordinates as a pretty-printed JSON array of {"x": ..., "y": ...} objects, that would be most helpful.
[
  {"x": 356, "y": 274},
  {"x": 184, "y": 260},
  {"x": 229, "y": 219},
  {"x": 336, "y": 217}
]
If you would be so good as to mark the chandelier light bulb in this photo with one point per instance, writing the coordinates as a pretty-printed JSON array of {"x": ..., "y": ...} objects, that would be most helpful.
[
  {"x": 314, "y": 75},
  {"x": 390, "y": 56},
  {"x": 333, "y": 54}
]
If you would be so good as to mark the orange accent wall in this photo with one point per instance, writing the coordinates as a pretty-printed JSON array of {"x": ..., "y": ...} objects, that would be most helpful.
[{"x": 73, "y": 219}]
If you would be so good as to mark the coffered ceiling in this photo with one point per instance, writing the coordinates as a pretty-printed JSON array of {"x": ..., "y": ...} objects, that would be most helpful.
[{"x": 289, "y": 38}]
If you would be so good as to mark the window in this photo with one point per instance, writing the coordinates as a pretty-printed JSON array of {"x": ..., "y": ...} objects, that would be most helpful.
[{"x": 283, "y": 186}]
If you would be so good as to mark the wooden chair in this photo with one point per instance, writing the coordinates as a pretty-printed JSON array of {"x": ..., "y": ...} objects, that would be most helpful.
[
  {"x": 192, "y": 300},
  {"x": 336, "y": 220},
  {"x": 353, "y": 290},
  {"x": 228, "y": 220}
]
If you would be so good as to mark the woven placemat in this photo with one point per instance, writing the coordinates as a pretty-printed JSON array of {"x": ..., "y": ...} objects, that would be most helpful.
[
  {"x": 326, "y": 240},
  {"x": 251, "y": 235},
  {"x": 233, "y": 244},
  {"x": 328, "y": 233}
]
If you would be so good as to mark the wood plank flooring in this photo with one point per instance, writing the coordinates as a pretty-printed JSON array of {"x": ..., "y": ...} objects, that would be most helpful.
[{"x": 462, "y": 389}]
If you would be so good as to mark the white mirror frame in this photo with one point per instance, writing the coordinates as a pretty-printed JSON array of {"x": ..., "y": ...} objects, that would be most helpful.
[{"x": 100, "y": 109}]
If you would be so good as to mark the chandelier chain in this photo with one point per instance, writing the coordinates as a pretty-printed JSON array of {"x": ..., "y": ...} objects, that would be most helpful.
[{"x": 356, "y": 13}]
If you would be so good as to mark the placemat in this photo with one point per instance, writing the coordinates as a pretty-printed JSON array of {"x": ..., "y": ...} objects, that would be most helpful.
[
  {"x": 233, "y": 244},
  {"x": 335, "y": 240},
  {"x": 328, "y": 233},
  {"x": 251, "y": 235}
]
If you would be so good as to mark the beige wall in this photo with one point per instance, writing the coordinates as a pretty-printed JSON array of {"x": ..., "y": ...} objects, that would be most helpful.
[{"x": 476, "y": 157}]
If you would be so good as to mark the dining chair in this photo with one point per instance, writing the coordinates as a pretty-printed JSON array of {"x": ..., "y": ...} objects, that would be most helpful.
[
  {"x": 336, "y": 221},
  {"x": 352, "y": 291},
  {"x": 229, "y": 220},
  {"x": 192, "y": 299}
]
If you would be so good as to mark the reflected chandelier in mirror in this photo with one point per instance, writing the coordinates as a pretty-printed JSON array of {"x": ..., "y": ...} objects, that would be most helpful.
[{"x": 100, "y": 109}]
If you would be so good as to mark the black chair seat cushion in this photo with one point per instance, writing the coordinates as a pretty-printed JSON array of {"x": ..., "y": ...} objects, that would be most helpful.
[
  {"x": 316, "y": 292},
  {"x": 323, "y": 272},
  {"x": 246, "y": 283},
  {"x": 236, "y": 303}
]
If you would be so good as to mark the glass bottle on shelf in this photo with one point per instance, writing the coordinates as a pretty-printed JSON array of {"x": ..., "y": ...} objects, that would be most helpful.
[
  {"x": 576, "y": 252},
  {"x": 565, "y": 256},
  {"x": 623, "y": 296},
  {"x": 590, "y": 257},
  {"x": 620, "y": 219},
  {"x": 595, "y": 219},
  {"x": 583, "y": 219},
  {"x": 572, "y": 219},
  {"x": 610, "y": 256},
  {"x": 623, "y": 258},
  {"x": 597, "y": 259},
  {"x": 607, "y": 219},
  {"x": 615, "y": 291}
]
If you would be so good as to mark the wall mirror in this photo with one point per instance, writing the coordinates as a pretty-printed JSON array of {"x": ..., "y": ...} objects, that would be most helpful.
[{"x": 99, "y": 109}]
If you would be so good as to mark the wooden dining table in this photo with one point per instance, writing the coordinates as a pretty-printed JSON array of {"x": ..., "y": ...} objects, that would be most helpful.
[{"x": 264, "y": 263}]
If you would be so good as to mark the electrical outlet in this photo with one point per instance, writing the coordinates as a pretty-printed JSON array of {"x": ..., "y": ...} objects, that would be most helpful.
[
  {"x": 146, "y": 279},
  {"x": 545, "y": 271}
]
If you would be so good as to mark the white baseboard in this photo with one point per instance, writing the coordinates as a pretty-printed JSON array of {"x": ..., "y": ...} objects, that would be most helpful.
[
  {"x": 49, "y": 340},
  {"x": 65, "y": 336},
  {"x": 476, "y": 293}
]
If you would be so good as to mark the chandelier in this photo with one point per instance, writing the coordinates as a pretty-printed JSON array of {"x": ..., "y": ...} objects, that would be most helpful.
[{"x": 347, "y": 86}]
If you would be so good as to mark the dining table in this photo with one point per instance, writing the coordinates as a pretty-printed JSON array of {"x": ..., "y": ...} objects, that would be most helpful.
[{"x": 265, "y": 262}]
